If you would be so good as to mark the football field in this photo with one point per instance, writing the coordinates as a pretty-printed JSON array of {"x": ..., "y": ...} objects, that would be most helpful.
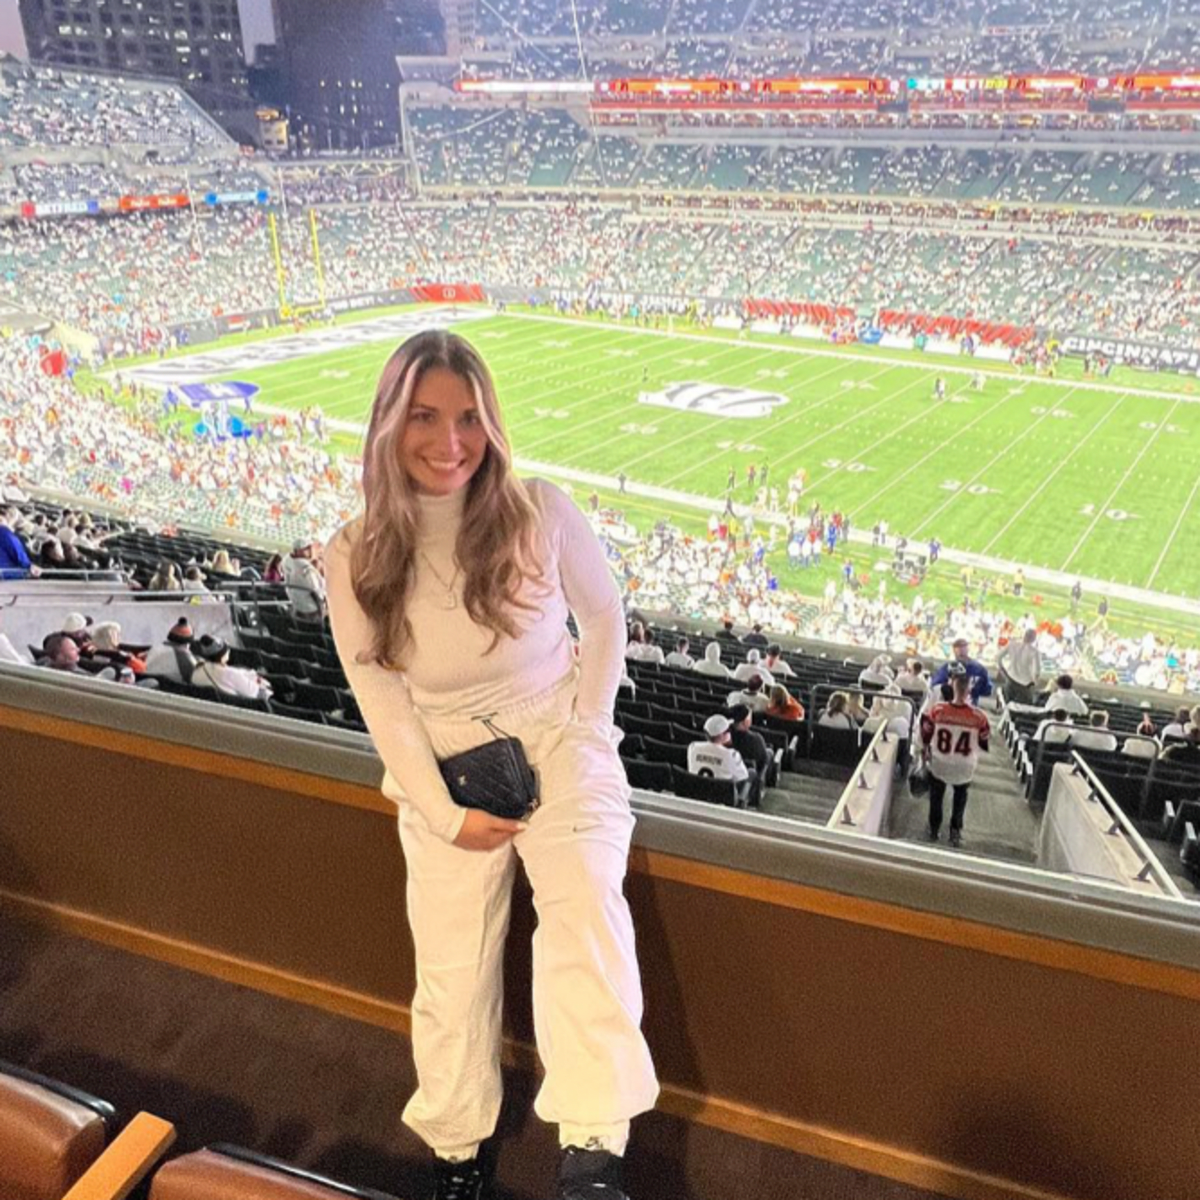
[{"x": 1073, "y": 476}]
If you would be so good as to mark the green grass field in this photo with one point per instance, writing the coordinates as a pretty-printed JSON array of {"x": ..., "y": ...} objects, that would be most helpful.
[{"x": 1096, "y": 481}]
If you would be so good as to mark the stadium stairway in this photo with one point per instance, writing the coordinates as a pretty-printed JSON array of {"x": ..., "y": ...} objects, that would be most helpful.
[
  {"x": 999, "y": 822},
  {"x": 808, "y": 797}
]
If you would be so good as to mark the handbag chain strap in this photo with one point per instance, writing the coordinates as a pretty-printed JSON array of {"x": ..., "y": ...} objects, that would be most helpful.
[{"x": 487, "y": 720}]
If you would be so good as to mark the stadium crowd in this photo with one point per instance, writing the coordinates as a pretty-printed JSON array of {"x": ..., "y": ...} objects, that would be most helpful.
[
  {"x": 46, "y": 106},
  {"x": 279, "y": 481}
]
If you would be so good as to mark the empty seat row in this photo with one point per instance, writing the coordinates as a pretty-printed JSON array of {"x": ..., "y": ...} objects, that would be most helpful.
[{"x": 60, "y": 1143}]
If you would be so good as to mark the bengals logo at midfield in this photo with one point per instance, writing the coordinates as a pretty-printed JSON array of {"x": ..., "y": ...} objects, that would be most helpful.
[{"x": 715, "y": 399}]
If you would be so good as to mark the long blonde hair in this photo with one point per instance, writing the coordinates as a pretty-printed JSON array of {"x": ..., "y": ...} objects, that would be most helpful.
[{"x": 499, "y": 538}]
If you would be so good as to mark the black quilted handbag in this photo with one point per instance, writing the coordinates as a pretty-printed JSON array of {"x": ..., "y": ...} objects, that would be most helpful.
[{"x": 495, "y": 777}]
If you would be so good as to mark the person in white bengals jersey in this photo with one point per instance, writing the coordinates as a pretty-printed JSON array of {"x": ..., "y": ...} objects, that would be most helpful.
[{"x": 953, "y": 733}]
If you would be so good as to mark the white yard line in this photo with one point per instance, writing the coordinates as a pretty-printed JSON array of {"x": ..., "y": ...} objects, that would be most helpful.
[
  {"x": 1103, "y": 508},
  {"x": 1053, "y": 475},
  {"x": 962, "y": 491},
  {"x": 1174, "y": 531}
]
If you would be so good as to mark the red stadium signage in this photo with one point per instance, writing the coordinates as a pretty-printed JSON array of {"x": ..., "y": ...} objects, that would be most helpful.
[
  {"x": 955, "y": 327},
  {"x": 144, "y": 203},
  {"x": 449, "y": 293}
]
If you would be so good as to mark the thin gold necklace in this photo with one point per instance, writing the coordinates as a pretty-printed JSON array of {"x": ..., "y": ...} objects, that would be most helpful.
[{"x": 451, "y": 600}]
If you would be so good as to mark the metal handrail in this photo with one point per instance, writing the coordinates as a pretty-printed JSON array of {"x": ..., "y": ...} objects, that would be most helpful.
[
  {"x": 1098, "y": 793},
  {"x": 858, "y": 781}
]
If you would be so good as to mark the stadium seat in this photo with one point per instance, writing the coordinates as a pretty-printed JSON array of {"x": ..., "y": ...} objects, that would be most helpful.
[
  {"x": 297, "y": 714},
  {"x": 653, "y": 729},
  {"x": 649, "y": 776},
  {"x": 223, "y": 1172},
  {"x": 665, "y": 752},
  {"x": 685, "y": 735},
  {"x": 50, "y": 1133},
  {"x": 698, "y": 787}
]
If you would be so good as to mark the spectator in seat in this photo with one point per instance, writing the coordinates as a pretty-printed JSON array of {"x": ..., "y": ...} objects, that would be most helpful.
[
  {"x": 51, "y": 556},
  {"x": 1178, "y": 727},
  {"x": 746, "y": 671},
  {"x": 1096, "y": 735},
  {"x": 776, "y": 664},
  {"x": 61, "y": 653},
  {"x": 716, "y": 758},
  {"x": 640, "y": 648},
  {"x": 223, "y": 565},
  {"x": 726, "y": 634},
  {"x": 193, "y": 580},
  {"x": 1065, "y": 696},
  {"x": 14, "y": 557},
  {"x": 1136, "y": 747},
  {"x": 165, "y": 579},
  {"x": 1053, "y": 729},
  {"x": 273, "y": 571},
  {"x": 755, "y": 637},
  {"x": 79, "y": 628},
  {"x": 877, "y": 674},
  {"x": 215, "y": 672},
  {"x": 783, "y": 704},
  {"x": 679, "y": 657},
  {"x": 836, "y": 714},
  {"x": 888, "y": 707},
  {"x": 913, "y": 681},
  {"x": 755, "y": 752},
  {"x": 305, "y": 584},
  {"x": 106, "y": 643},
  {"x": 1187, "y": 752},
  {"x": 711, "y": 663},
  {"x": 752, "y": 695},
  {"x": 174, "y": 658}
]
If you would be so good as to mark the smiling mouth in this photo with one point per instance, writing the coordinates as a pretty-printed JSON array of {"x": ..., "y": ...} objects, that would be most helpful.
[{"x": 445, "y": 466}]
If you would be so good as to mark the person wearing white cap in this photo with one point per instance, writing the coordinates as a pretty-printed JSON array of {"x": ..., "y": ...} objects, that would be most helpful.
[
  {"x": 744, "y": 672},
  {"x": 305, "y": 584},
  {"x": 717, "y": 759}
]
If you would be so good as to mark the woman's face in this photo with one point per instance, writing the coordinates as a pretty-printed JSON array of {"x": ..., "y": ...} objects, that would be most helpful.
[{"x": 444, "y": 441}]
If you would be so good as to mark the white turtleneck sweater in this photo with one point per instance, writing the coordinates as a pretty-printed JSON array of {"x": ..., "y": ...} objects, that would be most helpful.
[{"x": 447, "y": 670}]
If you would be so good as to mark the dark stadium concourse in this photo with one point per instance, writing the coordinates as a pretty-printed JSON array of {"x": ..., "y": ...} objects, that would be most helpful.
[{"x": 205, "y": 923}]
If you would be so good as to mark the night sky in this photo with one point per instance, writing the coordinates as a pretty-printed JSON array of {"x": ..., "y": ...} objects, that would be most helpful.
[{"x": 257, "y": 26}]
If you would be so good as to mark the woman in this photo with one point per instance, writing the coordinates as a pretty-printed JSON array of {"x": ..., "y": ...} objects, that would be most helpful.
[
  {"x": 213, "y": 671},
  {"x": 106, "y": 643},
  {"x": 273, "y": 572},
  {"x": 641, "y": 648},
  {"x": 835, "y": 715},
  {"x": 225, "y": 567},
  {"x": 165, "y": 579},
  {"x": 448, "y": 601},
  {"x": 784, "y": 705}
]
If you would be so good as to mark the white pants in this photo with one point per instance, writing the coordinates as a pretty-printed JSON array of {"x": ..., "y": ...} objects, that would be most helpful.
[{"x": 587, "y": 997}]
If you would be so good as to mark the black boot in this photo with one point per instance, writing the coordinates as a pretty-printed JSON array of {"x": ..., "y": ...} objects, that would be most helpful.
[
  {"x": 461, "y": 1181},
  {"x": 590, "y": 1175}
]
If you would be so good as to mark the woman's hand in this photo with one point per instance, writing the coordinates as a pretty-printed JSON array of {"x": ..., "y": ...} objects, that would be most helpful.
[{"x": 482, "y": 831}]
